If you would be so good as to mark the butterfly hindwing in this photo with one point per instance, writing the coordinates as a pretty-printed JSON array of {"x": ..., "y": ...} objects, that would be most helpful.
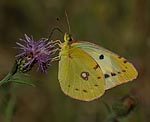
[
  {"x": 80, "y": 76},
  {"x": 116, "y": 69}
]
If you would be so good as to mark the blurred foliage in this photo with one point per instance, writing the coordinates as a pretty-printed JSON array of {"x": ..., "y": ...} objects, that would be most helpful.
[{"x": 121, "y": 26}]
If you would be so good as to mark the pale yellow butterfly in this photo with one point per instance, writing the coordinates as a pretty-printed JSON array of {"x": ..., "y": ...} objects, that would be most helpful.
[{"x": 86, "y": 70}]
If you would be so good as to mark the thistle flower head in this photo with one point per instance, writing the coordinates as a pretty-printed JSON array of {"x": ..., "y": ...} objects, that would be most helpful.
[
  {"x": 124, "y": 106},
  {"x": 34, "y": 52}
]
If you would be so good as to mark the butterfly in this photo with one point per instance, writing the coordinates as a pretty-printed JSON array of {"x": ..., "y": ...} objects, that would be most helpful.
[{"x": 86, "y": 70}]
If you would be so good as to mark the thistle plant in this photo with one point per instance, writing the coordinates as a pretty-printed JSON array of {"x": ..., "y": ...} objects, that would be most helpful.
[
  {"x": 32, "y": 53},
  {"x": 121, "y": 108}
]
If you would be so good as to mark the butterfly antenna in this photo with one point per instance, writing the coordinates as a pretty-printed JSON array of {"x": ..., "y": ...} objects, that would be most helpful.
[
  {"x": 52, "y": 31},
  {"x": 60, "y": 22},
  {"x": 67, "y": 21}
]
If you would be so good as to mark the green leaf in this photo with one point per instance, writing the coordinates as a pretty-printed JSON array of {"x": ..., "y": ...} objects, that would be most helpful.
[
  {"x": 22, "y": 81},
  {"x": 107, "y": 107},
  {"x": 22, "y": 78},
  {"x": 10, "y": 109}
]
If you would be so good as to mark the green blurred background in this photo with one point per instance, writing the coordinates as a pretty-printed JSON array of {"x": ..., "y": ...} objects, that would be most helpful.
[{"x": 122, "y": 26}]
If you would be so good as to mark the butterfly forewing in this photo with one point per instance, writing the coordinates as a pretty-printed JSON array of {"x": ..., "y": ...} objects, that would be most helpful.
[
  {"x": 80, "y": 76},
  {"x": 116, "y": 69}
]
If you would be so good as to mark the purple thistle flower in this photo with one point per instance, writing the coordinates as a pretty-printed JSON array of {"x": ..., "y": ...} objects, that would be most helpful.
[{"x": 35, "y": 52}]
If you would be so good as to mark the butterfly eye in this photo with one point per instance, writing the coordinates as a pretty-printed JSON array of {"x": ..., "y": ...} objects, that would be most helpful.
[{"x": 69, "y": 38}]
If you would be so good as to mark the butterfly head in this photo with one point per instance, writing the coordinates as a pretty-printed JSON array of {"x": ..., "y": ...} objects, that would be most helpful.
[{"x": 68, "y": 38}]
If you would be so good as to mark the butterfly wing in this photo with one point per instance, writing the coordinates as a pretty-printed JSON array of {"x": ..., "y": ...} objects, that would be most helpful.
[
  {"x": 80, "y": 76},
  {"x": 116, "y": 69}
]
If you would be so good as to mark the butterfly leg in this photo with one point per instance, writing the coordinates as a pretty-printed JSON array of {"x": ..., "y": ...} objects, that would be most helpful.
[
  {"x": 54, "y": 51},
  {"x": 57, "y": 42},
  {"x": 57, "y": 58}
]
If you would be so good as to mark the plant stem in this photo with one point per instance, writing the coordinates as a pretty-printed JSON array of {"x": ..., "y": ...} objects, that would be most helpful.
[
  {"x": 9, "y": 112},
  {"x": 10, "y": 74}
]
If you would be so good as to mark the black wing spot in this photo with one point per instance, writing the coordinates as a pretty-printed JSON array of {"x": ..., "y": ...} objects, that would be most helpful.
[
  {"x": 98, "y": 77},
  {"x": 68, "y": 85},
  {"x": 101, "y": 57},
  {"x": 96, "y": 85},
  {"x": 125, "y": 61},
  {"x": 77, "y": 89},
  {"x": 106, "y": 75},
  {"x": 119, "y": 72},
  {"x": 97, "y": 66},
  {"x": 84, "y": 90},
  {"x": 113, "y": 74},
  {"x": 123, "y": 70}
]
